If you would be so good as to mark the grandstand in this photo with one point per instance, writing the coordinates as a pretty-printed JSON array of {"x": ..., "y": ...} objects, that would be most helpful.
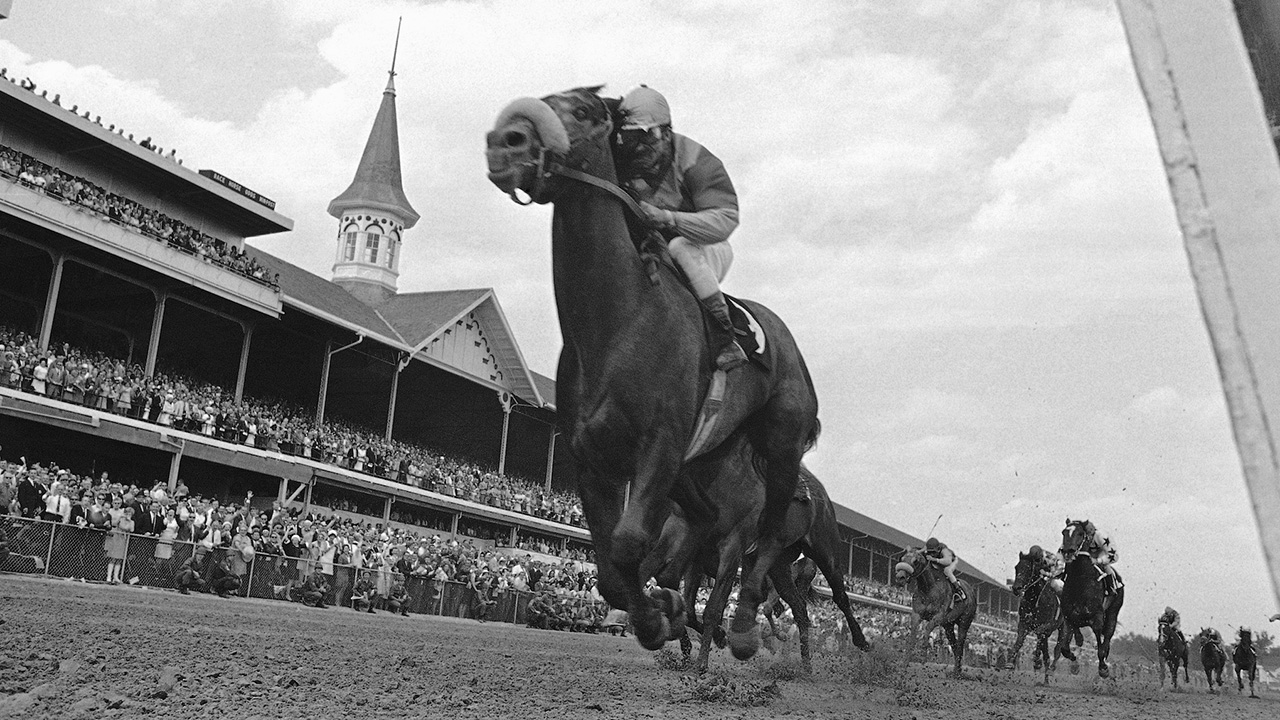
[{"x": 185, "y": 353}]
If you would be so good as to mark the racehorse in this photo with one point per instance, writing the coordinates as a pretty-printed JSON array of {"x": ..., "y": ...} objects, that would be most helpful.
[
  {"x": 809, "y": 528},
  {"x": 1212, "y": 657},
  {"x": 934, "y": 604},
  {"x": 1172, "y": 651},
  {"x": 1084, "y": 599},
  {"x": 1245, "y": 659},
  {"x": 635, "y": 366},
  {"x": 1039, "y": 611}
]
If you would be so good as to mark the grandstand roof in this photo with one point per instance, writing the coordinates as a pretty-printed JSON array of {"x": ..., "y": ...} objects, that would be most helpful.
[
  {"x": 327, "y": 300},
  {"x": 377, "y": 185},
  {"x": 96, "y": 145},
  {"x": 410, "y": 321},
  {"x": 858, "y": 522},
  {"x": 419, "y": 316},
  {"x": 546, "y": 388}
]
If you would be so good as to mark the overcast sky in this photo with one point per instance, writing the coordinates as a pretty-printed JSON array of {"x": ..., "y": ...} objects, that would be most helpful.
[{"x": 958, "y": 207}]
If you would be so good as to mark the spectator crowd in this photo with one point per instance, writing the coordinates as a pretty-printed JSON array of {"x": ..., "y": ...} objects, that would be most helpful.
[
  {"x": 168, "y": 398},
  {"x": 90, "y": 198}
]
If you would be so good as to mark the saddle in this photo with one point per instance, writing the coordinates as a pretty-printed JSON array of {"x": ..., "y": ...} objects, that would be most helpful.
[{"x": 652, "y": 248}]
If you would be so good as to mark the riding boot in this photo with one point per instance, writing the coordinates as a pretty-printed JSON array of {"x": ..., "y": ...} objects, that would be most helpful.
[{"x": 729, "y": 355}]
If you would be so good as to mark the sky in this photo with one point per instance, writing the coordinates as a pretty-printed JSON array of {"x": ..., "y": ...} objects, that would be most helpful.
[{"x": 959, "y": 209}]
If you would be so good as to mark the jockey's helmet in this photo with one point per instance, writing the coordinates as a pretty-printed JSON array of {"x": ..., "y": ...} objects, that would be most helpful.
[
  {"x": 1169, "y": 611},
  {"x": 932, "y": 544},
  {"x": 644, "y": 109}
]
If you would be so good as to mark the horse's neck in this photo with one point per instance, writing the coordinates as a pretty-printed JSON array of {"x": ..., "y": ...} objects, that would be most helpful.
[{"x": 599, "y": 281}]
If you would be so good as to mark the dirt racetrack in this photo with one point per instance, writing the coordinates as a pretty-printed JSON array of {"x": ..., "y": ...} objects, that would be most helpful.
[{"x": 75, "y": 650}]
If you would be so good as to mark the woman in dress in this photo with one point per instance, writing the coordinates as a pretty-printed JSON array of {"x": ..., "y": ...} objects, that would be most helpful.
[
  {"x": 164, "y": 545},
  {"x": 117, "y": 546}
]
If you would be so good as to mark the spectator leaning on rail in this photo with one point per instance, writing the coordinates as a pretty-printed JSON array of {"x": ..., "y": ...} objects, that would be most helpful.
[{"x": 686, "y": 195}]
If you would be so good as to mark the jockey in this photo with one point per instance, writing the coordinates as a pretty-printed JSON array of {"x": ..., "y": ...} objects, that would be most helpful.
[
  {"x": 1104, "y": 556},
  {"x": 686, "y": 195},
  {"x": 1170, "y": 619},
  {"x": 1050, "y": 567},
  {"x": 944, "y": 559}
]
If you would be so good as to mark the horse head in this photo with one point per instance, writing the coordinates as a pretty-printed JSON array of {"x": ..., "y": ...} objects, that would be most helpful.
[
  {"x": 912, "y": 564},
  {"x": 1076, "y": 536},
  {"x": 1027, "y": 570},
  {"x": 530, "y": 135},
  {"x": 1246, "y": 636}
]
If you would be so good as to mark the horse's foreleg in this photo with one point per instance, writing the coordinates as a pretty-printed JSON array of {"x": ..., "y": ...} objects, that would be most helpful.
[
  {"x": 632, "y": 541},
  {"x": 1017, "y": 646},
  {"x": 602, "y": 505},
  {"x": 962, "y": 640}
]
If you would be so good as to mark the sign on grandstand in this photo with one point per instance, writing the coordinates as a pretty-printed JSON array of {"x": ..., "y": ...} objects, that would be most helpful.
[{"x": 225, "y": 181}]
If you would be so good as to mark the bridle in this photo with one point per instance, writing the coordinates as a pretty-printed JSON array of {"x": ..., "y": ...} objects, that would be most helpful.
[
  {"x": 1078, "y": 549},
  {"x": 547, "y": 165}
]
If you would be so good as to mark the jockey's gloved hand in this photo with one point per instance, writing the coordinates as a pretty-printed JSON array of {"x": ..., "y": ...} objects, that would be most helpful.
[{"x": 657, "y": 217}]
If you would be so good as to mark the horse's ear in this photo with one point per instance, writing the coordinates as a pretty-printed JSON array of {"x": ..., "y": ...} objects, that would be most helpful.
[{"x": 595, "y": 89}]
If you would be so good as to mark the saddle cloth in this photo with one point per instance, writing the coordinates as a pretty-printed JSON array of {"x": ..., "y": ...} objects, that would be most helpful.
[{"x": 749, "y": 333}]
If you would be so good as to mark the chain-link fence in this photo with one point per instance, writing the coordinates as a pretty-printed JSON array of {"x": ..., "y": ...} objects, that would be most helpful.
[{"x": 93, "y": 555}]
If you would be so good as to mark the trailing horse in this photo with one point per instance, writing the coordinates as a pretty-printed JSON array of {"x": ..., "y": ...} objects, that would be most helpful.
[
  {"x": 1245, "y": 659},
  {"x": 1212, "y": 657},
  {"x": 1039, "y": 611},
  {"x": 1085, "y": 602},
  {"x": 809, "y": 528},
  {"x": 635, "y": 367},
  {"x": 934, "y": 603},
  {"x": 1173, "y": 652}
]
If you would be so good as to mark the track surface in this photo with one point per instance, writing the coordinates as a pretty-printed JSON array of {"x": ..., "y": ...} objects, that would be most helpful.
[{"x": 74, "y": 650}]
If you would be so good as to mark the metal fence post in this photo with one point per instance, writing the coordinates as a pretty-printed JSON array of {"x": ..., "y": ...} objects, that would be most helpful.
[{"x": 48, "y": 556}]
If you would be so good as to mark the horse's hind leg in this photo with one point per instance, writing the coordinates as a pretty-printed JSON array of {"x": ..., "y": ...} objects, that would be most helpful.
[
  {"x": 780, "y": 452},
  {"x": 824, "y": 558},
  {"x": 780, "y": 574}
]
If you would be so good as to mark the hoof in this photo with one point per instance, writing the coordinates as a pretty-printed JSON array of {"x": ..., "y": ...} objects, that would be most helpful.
[
  {"x": 671, "y": 604},
  {"x": 652, "y": 628},
  {"x": 744, "y": 643}
]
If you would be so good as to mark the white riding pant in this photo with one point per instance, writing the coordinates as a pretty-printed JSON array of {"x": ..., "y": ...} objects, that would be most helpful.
[{"x": 706, "y": 265}]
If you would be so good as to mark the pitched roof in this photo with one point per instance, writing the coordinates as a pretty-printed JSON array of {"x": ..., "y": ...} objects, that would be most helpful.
[
  {"x": 546, "y": 388},
  {"x": 418, "y": 316},
  {"x": 858, "y": 522},
  {"x": 328, "y": 300},
  {"x": 377, "y": 184}
]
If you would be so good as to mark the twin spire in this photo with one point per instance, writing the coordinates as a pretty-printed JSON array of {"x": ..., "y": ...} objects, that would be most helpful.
[
  {"x": 377, "y": 183},
  {"x": 373, "y": 211}
]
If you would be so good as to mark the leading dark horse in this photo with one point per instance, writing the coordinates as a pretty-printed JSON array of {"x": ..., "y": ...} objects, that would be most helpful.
[
  {"x": 1039, "y": 611},
  {"x": 635, "y": 366},
  {"x": 1245, "y": 658},
  {"x": 1173, "y": 652},
  {"x": 933, "y": 603},
  {"x": 1212, "y": 657},
  {"x": 1084, "y": 599}
]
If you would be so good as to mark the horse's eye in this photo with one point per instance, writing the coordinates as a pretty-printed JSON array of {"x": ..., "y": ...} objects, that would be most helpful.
[{"x": 581, "y": 113}]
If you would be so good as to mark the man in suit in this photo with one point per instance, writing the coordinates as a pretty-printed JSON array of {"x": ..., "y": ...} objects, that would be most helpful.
[
  {"x": 31, "y": 492},
  {"x": 144, "y": 520}
]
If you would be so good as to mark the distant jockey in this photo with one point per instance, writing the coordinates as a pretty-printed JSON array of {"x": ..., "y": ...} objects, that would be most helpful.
[
  {"x": 1214, "y": 637},
  {"x": 686, "y": 195},
  {"x": 1171, "y": 620},
  {"x": 1050, "y": 567},
  {"x": 944, "y": 559}
]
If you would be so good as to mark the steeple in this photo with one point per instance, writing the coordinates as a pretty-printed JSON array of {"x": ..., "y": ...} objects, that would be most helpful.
[{"x": 373, "y": 211}]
